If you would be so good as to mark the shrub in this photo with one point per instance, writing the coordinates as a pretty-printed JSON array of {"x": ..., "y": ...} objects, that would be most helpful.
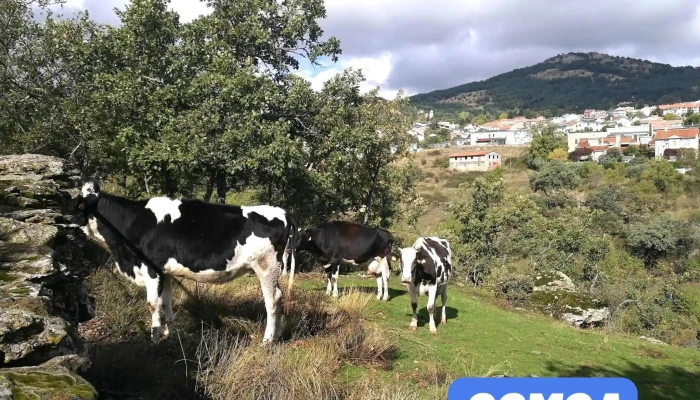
[
  {"x": 423, "y": 161},
  {"x": 515, "y": 289},
  {"x": 441, "y": 162}
]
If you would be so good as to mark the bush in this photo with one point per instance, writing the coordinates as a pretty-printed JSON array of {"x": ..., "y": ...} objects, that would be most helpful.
[
  {"x": 553, "y": 176},
  {"x": 441, "y": 162},
  {"x": 423, "y": 161},
  {"x": 654, "y": 239},
  {"x": 515, "y": 289},
  {"x": 608, "y": 198}
]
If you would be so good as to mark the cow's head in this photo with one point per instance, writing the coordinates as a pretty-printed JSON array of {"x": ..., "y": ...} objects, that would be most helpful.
[
  {"x": 303, "y": 239},
  {"x": 408, "y": 263},
  {"x": 86, "y": 203}
]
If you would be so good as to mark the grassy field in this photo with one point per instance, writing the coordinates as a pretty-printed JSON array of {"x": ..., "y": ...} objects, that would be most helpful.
[
  {"x": 347, "y": 357},
  {"x": 483, "y": 339}
]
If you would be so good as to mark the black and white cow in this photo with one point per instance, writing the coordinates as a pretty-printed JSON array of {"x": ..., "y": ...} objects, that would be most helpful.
[
  {"x": 426, "y": 267},
  {"x": 340, "y": 241},
  {"x": 193, "y": 239}
]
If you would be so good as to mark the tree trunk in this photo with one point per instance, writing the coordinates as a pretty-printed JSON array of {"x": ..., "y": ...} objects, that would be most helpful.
[
  {"x": 169, "y": 183},
  {"x": 210, "y": 186},
  {"x": 221, "y": 188}
]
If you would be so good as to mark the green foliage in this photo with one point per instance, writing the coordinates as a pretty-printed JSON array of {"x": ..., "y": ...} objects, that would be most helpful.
[
  {"x": 545, "y": 139},
  {"x": 671, "y": 117},
  {"x": 655, "y": 239},
  {"x": 692, "y": 119},
  {"x": 663, "y": 176},
  {"x": 609, "y": 159},
  {"x": 553, "y": 176},
  {"x": 608, "y": 198},
  {"x": 204, "y": 107}
]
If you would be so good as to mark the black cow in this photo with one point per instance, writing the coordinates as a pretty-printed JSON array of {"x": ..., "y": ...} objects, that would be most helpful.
[
  {"x": 425, "y": 268},
  {"x": 336, "y": 241},
  {"x": 193, "y": 239}
]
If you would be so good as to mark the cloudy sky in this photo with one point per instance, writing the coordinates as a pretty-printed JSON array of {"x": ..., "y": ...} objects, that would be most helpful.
[{"x": 420, "y": 46}]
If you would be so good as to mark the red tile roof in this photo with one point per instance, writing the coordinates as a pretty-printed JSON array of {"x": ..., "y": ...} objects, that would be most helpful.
[
  {"x": 679, "y": 105},
  {"x": 685, "y": 133},
  {"x": 599, "y": 148},
  {"x": 471, "y": 153}
]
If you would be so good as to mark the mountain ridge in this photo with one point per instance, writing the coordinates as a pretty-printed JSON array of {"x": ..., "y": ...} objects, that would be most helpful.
[{"x": 572, "y": 82}]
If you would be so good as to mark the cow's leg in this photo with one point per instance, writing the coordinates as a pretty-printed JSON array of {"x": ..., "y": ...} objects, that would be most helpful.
[
  {"x": 432, "y": 293},
  {"x": 329, "y": 276},
  {"x": 385, "y": 277},
  {"x": 154, "y": 290},
  {"x": 269, "y": 282},
  {"x": 285, "y": 257},
  {"x": 167, "y": 298},
  {"x": 443, "y": 320},
  {"x": 335, "y": 267},
  {"x": 412, "y": 290},
  {"x": 379, "y": 284}
]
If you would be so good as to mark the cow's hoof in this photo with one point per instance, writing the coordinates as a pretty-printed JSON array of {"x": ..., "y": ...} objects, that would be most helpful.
[
  {"x": 412, "y": 328},
  {"x": 443, "y": 322},
  {"x": 379, "y": 298},
  {"x": 155, "y": 336},
  {"x": 433, "y": 332},
  {"x": 385, "y": 299}
]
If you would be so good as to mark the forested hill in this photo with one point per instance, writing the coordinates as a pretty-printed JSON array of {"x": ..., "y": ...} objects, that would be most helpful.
[{"x": 573, "y": 82}]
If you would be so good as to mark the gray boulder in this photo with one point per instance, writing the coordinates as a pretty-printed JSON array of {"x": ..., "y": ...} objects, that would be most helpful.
[{"x": 44, "y": 261}]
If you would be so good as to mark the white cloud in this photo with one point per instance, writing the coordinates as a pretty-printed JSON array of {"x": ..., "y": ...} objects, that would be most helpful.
[
  {"x": 420, "y": 45},
  {"x": 376, "y": 71},
  {"x": 189, "y": 9}
]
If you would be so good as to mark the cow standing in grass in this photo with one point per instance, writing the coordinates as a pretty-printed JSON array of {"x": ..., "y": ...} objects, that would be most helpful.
[
  {"x": 193, "y": 239},
  {"x": 340, "y": 241},
  {"x": 425, "y": 268}
]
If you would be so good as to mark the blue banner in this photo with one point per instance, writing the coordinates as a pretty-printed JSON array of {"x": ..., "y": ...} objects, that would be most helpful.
[{"x": 542, "y": 389}]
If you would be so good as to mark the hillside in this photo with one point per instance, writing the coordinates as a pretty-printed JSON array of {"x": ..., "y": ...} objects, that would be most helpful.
[{"x": 573, "y": 82}]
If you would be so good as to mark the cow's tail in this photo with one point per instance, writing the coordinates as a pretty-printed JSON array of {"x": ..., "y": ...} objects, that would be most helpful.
[{"x": 291, "y": 260}]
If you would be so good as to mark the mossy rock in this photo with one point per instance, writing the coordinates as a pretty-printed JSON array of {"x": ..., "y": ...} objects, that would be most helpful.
[
  {"x": 39, "y": 383},
  {"x": 570, "y": 302}
]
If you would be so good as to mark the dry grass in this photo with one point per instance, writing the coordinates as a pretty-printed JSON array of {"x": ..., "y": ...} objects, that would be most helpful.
[{"x": 328, "y": 337}]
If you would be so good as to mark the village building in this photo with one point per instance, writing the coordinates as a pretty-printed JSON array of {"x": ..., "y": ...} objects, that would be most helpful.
[
  {"x": 484, "y": 160},
  {"x": 675, "y": 139}
]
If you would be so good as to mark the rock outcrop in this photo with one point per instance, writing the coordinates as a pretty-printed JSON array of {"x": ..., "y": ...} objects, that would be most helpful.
[
  {"x": 44, "y": 260},
  {"x": 556, "y": 293}
]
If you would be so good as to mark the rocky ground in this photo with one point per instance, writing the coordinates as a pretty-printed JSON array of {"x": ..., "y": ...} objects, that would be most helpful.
[{"x": 44, "y": 260}]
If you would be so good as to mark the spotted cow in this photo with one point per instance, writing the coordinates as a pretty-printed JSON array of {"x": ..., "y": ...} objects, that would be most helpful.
[
  {"x": 192, "y": 239},
  {"x": 425, "y": 268},
  {"x": 340, "y": 241}
]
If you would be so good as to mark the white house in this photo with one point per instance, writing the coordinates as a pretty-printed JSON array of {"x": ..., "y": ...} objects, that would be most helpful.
[
  {"x": 510, "y": 138},
  {"x": 475, "y": 160},
  {"x": 418, "y": 131},
  {"x": 647, "y": 110},
  {"x": 640, "y": 133},
  {"x": 674, "y": 139},
  {"x": 591, "y": 124},
  {"x": 621, "y": 111},
  {"x": 681, "y": 109},
  {"x": 448, "y": 125},
  {"x": 622, "y": 121},
  {"x": 598, "y": 152}
]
